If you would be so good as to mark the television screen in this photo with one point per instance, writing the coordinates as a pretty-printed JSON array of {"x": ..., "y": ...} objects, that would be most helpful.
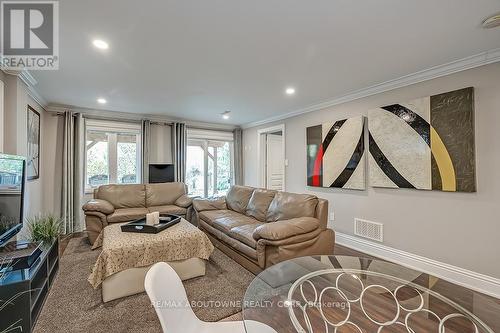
[
  {"x": 12, "y": 174},
  {"x": 161, "y": 173}
]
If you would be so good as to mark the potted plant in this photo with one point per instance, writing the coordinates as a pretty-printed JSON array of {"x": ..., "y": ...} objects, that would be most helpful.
[{"x": 44, "y": 229}]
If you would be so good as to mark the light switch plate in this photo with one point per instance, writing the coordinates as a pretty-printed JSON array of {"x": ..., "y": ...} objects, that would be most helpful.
[{"x": 332, "y": 216}]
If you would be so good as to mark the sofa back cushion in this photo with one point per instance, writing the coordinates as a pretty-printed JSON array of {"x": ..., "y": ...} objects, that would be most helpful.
[
  {"x": 287, "y": 206},
  {"x": 238, "y": 197},
  {"x": 164, "y": 193},
  {"x": 123, "y": 196},
  {"x": 259, "y": 203}
]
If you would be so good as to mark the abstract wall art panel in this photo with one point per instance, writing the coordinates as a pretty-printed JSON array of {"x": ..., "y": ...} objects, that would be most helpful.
[
  {"x": 33, "y": 133},
  {"x": 425, "y": 144},
  {"x": 335, "y": 154}
]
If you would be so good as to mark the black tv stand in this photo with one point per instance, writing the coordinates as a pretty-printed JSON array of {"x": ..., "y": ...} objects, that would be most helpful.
[{"x": 27, "y": 289}]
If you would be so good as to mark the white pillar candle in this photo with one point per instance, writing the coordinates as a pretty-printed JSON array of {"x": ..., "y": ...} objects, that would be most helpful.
[{"x": 153, "y": 218}]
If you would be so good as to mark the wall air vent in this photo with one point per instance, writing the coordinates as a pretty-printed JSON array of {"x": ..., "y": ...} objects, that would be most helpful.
[{"x": 369, "y": 229}]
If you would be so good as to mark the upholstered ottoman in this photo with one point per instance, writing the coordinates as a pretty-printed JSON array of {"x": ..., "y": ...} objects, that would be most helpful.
[{"x": 126, "y": 257}]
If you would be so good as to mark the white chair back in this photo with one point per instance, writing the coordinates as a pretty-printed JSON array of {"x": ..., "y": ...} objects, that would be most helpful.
[
  {"x": 166, "y": 291},
  {"x": 167, "y": 294}
]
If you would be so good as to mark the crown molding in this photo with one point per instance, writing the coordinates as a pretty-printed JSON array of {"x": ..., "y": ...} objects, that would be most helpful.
[
  {"x": 57, "y": 109},
  {"x": 30, "y": 82},
  {"x": 27, "y": 78},
  {"x": 33, "y": 93},
  {"x": 126, "y": 116},
  {"x": 456, "y": 66}
]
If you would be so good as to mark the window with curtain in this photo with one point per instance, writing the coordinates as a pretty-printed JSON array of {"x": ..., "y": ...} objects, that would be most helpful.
[
  {"x": 209, "y": 162},
  {"x": 112, "y": 153}
]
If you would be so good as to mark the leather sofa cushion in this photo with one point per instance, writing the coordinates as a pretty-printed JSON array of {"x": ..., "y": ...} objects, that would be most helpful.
[
  {"x": 98, "y": 205},
  {"x": 244, "y": 233},
  {"x": 231, "y": 242},
  {"x": 211, "y": 215},
  {"x": 226, "y": 224},
  {"x": 237, "y": 198},
  {"x": 164, "y": 194},
  {"x": 184, "y": 201},
  {"x": 127, "y": 214},
  {"x": 287, "y": 206},
  {"x": 225, "y": 220},
  {"x": 168, "y": 209},
  {"x": 209, "y": 204},
  {"x": 235, "y": 225},
  {"x": 123, "y": 196},
  {"x": 286, "y": 228},
  {"x": 259, "y": 203}
]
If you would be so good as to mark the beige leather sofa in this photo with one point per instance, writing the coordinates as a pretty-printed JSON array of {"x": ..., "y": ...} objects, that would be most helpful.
[
  {"x": 259, "y": 228},
  {"x": 123, "y": 203}
]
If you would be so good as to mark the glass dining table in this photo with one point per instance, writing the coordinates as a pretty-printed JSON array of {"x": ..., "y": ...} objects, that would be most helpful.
[{"x": 353, "y": 294}]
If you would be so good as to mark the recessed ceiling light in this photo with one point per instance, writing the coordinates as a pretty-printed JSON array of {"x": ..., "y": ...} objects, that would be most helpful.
[
  {"x": 100, "y": 44},
  {"x": 290, "y": 91},
  {"x": 101, "y": 101},
  {"x": 492, "y": 22},
  {"x": 225, "y": 115}
]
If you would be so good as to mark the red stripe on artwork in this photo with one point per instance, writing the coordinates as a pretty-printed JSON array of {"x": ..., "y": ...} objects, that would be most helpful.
[{"x": 317, "y": 167}]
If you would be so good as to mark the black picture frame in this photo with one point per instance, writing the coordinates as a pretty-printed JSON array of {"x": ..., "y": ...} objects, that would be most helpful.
[{"x": 33, "y": 144}]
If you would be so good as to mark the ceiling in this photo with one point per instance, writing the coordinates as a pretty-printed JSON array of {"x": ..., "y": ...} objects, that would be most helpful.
[{"x": 197, "y": 59}]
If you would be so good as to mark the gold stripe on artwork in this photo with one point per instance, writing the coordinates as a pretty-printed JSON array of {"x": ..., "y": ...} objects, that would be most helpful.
[{"x": 444, "y": 162}]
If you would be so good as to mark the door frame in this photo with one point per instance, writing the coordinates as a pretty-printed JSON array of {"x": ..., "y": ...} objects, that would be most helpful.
[
  {"x": 261, "y": 153},
  {"x": 204, "y": 145}
]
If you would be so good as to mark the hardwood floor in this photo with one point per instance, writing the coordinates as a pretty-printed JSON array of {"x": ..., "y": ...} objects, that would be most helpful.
[{"x": 486, "y": 307}]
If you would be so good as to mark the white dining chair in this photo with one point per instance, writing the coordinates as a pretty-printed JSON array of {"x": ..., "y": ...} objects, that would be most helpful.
[{"x": 168, "y": 296}]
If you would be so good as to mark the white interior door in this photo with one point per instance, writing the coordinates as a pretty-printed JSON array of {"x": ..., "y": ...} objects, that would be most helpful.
[{"x": 274, "y": 162}]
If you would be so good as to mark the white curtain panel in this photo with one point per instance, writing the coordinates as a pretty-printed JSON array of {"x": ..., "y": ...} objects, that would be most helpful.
[
  {"x": 72, "y": 184},
  {"x": 146, "y": 142},
  {"x": 179, "y": 148},
  {"x": 238, "y": 156}
]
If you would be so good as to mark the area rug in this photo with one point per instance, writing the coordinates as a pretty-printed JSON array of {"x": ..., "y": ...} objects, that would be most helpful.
[{"x": 74, "y": 306}]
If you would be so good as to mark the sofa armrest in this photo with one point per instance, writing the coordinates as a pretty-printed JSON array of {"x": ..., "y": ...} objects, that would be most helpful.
[
  {"x": 286, "y": 228},
  {"x": 184, "y": 201},
  {"x": 209, "y": 204},
  {"x": 98, "y": 205}
]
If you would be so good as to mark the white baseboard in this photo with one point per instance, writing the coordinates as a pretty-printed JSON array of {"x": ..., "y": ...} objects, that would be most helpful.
[{"x": 460, "y": 276}]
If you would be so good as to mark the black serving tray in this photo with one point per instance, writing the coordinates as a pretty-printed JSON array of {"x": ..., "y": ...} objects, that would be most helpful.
[{"x": 140, "y": 226}]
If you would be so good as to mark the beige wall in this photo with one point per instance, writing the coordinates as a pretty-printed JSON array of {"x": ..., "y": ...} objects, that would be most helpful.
[
  {"x": 461, "y": 229},
  {"x": 43, "y": 195},
  {"x": 10, "y": 114}
]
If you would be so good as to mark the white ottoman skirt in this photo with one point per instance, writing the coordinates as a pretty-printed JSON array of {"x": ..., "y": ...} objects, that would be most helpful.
[{"x": 131, "y": 281}]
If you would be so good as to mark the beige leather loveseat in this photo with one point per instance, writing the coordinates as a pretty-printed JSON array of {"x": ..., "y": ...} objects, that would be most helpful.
[
  {"x": 123, "y": 203},
  {"x": 259, "y": 228}
]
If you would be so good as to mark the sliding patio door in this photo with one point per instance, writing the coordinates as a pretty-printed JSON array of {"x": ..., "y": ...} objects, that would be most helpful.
[{"x": 209, "y": 166}]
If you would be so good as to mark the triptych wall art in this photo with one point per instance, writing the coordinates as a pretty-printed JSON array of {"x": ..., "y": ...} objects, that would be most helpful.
[{"x": 425, "y": 144}]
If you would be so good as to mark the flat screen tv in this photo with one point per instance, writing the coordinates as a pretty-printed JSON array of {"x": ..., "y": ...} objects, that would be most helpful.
[
  {"x": 12, "y": 179},
  {"x": 161, "y": 173}
]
